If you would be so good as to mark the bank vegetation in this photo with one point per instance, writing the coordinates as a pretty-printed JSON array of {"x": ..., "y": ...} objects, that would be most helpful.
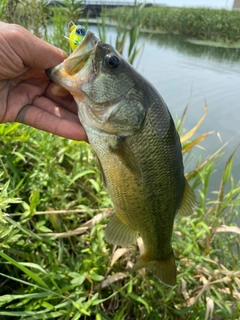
[
  {"x": 198, "y": 23},
  {"x": 54, "y": 261}
]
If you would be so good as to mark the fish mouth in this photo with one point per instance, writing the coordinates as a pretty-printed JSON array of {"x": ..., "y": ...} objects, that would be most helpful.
[{"x": 78, "y": 67}]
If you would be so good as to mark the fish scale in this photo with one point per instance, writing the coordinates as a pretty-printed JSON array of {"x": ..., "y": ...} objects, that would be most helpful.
[
  {"x": 139, "y": 152},
  {"x": 161, "y": 202}
]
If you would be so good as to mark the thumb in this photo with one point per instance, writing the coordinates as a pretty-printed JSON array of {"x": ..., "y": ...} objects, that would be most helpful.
[{"x": 33, "y": 51}]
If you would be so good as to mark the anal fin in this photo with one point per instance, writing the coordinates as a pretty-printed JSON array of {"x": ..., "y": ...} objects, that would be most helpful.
[{"x": 120, "y": 233}]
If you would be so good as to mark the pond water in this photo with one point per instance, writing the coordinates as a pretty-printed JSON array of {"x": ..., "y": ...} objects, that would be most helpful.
[{"x": 187, "y": 73}]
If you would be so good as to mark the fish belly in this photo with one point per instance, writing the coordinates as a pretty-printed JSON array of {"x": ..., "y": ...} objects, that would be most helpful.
[{"x": 145, "y": 206}]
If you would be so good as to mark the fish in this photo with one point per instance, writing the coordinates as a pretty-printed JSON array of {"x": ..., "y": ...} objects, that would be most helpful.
[
  {"x": 76, "y": 35},
  {"x": 138, "y": 149}
]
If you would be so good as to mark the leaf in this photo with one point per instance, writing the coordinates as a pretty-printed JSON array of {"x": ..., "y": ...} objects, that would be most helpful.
[
  {"x": 139, "y": 300},
  {"x": 207, "y": 162},
  {"x": 18, "y": 280},
  {"x": 83, "y": 228},
  {"x": 44, "y": 229},
  {"x": 190, "y": 133},
  {"x": 33, "y": 265},
  {"x": 140, "y": 245},
  {"x": 95, "y": 185},
  {"x": 117, "y": 254},
  {"x": 28, "y": 272},
  {"x": 14, "y": 126},
  {"x": 81, "y": 174},
  {"x": 228, "y": 168},
  {"x": 10, "y": 297},
  {"x": 43, "y": 314},
  {"x": 209, "y": 308},
  {"x": 20, "y": 156},
  {"x": 193, "y": 143},
  {"x": 182, "y": 120},
  {"x": 120, "y": 313},
  {"x": 232, "y": 229},
  {"x": 77, "y": 316},
  {"x": 23, "y": 229},
  {"x": 225, "y": 178},
  {"x": 96, "y": 277},
  {"x": 79, "y": 280},
  {"x": 110, "y": 279},
  {"x": 34, "y": 199},
  {"x": 80, "y": 309}
]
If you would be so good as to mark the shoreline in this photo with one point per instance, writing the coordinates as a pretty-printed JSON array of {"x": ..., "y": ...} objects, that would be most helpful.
[{"x": 195, "y": 41}]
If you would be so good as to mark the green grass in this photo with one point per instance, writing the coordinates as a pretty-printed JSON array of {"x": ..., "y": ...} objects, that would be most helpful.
[
  {"x": 198, "y": 23},
  {"x": 54, "y": 261}
]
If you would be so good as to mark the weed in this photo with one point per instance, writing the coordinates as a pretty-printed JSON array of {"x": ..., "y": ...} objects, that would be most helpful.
[
  {"x": 56, "y": 264},
  {"x": 54, "y": 261},
  {"x": 200, "y": 23}
]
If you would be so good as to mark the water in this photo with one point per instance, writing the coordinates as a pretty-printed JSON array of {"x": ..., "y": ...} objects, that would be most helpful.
[{"x": 184, "y": 72}]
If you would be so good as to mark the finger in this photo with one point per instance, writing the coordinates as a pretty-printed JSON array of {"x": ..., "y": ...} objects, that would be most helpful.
[
  {"x": 42, "y": 120},
  {"x": 62, "y": 97},
  {"x": 56, "y": 109},
  {"x": 33, "y": 51}
]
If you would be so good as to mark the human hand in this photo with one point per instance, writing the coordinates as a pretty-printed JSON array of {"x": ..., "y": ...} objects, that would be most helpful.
[{"x": 27, "y": 95}]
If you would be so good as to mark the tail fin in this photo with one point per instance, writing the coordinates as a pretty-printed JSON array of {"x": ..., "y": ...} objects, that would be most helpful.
[{"x": 164, "y": 270}]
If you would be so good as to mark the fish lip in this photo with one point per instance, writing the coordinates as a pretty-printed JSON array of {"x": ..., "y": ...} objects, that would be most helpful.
[
  {"x": 89, "y": 38},
  {"x": 76, "y": 60}
]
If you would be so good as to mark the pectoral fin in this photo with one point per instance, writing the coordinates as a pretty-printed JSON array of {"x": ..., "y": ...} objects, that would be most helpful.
[
  {"x": 126, "y": 156},
  {"x": 119, "y": 232},
  {"x": 101, "y": 171}
]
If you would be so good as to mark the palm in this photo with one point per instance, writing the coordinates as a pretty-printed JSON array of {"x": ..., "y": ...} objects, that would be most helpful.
[
  {"x": 21, "y": 92},
  {"x": 27, "y": 94}
]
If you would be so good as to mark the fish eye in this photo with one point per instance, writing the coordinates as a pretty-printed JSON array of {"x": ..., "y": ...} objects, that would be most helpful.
[{"x": 112, "y": 62}]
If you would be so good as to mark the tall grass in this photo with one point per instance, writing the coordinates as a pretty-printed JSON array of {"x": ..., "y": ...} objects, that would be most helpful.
[
  {"x": 54, "y": 262},
  {"x": 132, "y": 32},
  {"x": 34, "y": 18},
  {"x": 200, "y": 23}
]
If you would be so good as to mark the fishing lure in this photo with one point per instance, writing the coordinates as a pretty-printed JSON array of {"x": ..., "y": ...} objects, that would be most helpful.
[{"x": 77, "y": 33}]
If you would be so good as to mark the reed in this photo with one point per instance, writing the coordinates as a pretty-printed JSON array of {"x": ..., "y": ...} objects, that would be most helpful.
[
  {"x": 199, "y": 23},
  {"x": 54, "y": 262}
]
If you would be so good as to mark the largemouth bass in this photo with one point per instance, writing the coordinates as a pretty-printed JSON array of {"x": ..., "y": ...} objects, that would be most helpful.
[{"x": 138, "y": 149}]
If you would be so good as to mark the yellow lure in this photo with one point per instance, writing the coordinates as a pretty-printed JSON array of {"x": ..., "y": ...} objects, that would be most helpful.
[{"x": 77, "y": 33}]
